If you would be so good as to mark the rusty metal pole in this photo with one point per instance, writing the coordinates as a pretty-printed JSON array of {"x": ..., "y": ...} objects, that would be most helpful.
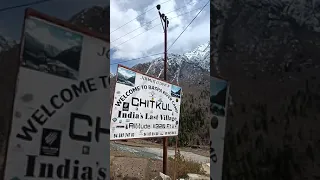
[
  {"x": 165, "y": 139},
  {"x": 165, "y": 22}
]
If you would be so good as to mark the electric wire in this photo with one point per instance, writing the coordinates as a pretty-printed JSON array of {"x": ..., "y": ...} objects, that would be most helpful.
[
  {"x": 136, "y": 17},
  {"x": 24, "y": 5},
  {"x": 188, "y": 25},
  {"x": 154, "y": 27},
  {"x": 44, "y": 1},
  {"x": 171, "y": 44},
  {"x": 156, "y": 18}
]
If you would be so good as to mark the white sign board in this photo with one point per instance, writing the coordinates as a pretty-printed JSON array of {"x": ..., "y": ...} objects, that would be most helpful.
[
  {"x": 144, "y": 107},
  {"x": 219, "y": 91},
  {"x": 60, "y": 120}
]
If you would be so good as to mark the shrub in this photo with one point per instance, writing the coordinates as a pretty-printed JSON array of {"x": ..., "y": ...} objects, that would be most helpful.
[{"x": 183, "y": 167}]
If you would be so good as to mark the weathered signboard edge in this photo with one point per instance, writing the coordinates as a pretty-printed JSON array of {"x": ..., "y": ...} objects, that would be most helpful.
[
  {"x": 119, "y": 65},
  {"x": 226, "y": 110},
  {"x": 228, "y": 91},
  {"x": 29, "y": 12}
]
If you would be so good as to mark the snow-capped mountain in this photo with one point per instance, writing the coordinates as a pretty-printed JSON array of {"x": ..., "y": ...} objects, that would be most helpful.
[
  {"x": 191, "y": 67},
  {"x": 6, "y": 43},
  {"x": 200, "y": 55}
]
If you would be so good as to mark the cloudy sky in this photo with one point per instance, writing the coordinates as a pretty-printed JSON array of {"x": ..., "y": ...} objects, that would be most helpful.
[
  {"x": 11, "y": 20},
  {"x": 144, "y": 35},
  {"x": 141, "y": 37}
]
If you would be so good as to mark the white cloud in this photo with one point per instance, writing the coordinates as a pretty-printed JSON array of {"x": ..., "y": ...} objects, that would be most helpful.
[{"x": 151, "y": 42}]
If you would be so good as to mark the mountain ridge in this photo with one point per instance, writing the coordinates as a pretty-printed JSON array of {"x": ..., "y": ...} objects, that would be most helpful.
[{"x": 178, "y": 64}]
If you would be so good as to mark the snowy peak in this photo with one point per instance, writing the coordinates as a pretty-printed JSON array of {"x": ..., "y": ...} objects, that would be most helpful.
[
  {"x": 200, "y": 55},
  {"x": 200, "y": 51},
  {"x": 191, "y": 67}
]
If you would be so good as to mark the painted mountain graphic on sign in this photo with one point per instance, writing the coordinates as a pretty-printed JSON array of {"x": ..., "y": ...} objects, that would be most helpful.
[
  {"x": 126, "y": 77},
  {"x": 220, "y": 98},
  {"x": 175, "y": 91}
]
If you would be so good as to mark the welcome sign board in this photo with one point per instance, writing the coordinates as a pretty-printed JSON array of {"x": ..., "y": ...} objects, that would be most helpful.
[
  {"x": 144, "y": 106},
  {"x": 219, "y": 91},
  {"x": 60, "y": 126}
]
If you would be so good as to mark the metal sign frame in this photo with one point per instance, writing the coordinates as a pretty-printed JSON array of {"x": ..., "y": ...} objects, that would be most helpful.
[{"x": 119, "y": 65}]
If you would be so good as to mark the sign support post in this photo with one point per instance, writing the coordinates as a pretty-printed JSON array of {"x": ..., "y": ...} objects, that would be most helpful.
[
  {"x": 133, "y": 113},
  {"x": 165, "y": 24}
]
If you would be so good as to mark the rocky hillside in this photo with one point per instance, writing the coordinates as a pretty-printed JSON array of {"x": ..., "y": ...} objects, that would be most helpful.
[
  {"x": 95, "y": 18},
  {"x": 269, "y": 50},
  {"x": 191, "y": 72}
]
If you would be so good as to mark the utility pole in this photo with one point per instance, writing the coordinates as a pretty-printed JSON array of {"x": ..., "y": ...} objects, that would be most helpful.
[{"x": 165, "y": 23}]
